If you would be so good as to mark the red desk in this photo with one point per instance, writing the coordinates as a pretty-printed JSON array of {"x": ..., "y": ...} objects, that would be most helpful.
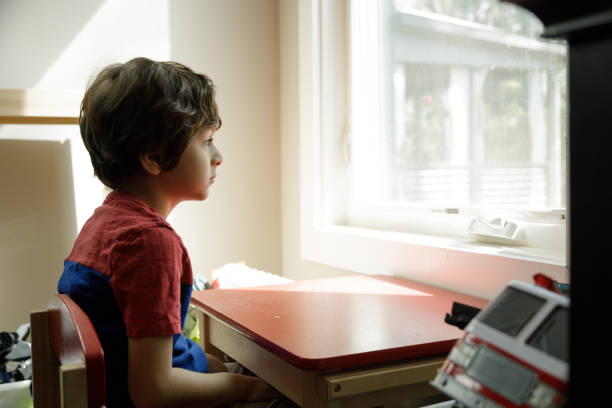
[{"x": 349, "y": 341}]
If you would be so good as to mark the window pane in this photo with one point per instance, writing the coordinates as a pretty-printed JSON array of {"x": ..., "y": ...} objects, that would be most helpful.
[
  {"x": 479, "y": 112},
  {"x": 488, "y": 12}
]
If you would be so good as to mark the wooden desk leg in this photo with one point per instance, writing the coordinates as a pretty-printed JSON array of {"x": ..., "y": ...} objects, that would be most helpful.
[
  {"x": 204, "y": 329},
  {"x": 298, "y": 385}
]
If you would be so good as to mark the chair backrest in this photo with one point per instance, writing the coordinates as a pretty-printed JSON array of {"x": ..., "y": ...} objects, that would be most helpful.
[{"x": 67, "y": 358}]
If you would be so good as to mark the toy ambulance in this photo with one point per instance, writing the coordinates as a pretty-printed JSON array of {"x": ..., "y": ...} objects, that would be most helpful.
[{"x": 514, "y": 352}]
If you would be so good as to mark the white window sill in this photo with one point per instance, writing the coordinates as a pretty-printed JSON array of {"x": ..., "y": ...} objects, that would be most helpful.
[
  {"x": 462, "y": 265},
  {"x": 545, "y": 256}
]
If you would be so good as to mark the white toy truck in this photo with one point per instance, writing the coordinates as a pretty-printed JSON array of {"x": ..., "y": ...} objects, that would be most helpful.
[{"x": 514, "y": 352}]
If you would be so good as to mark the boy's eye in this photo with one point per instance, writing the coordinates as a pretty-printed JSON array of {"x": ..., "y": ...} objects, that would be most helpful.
[{"x": 208, "y": 142}]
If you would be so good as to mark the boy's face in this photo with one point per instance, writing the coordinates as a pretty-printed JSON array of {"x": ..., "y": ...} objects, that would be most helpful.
[{"x": 196, "y": 170}]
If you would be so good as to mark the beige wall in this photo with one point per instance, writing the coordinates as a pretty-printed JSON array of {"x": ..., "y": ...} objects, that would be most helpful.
[
  {"x": 56, "y": 45},
  {"x": 236, "y": 42}
]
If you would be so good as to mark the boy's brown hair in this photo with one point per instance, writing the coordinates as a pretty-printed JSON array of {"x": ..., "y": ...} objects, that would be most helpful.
[{"x": 143, "y": 106}]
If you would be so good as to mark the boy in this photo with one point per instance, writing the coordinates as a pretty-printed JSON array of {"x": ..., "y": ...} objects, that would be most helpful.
[{"x": 149, "y": 128}]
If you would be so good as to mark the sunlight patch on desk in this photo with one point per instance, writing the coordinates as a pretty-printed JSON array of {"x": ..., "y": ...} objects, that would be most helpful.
[{"x": 364, "y": 285}]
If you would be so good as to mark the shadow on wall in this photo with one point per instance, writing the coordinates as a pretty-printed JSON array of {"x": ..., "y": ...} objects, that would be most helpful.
[
  {"x": 21, "y": 25},
  {"x": 37, "y": 224}
]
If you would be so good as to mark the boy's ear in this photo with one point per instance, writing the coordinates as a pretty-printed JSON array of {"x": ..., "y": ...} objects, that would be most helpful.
[{"x": 150, "y": 163}]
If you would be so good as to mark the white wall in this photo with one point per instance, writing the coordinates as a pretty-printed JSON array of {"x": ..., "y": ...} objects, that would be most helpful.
[
  {"x": 37, "y": 224},
  {"x": 294, "y": 266},
  {"x": 57, "y": 45}
]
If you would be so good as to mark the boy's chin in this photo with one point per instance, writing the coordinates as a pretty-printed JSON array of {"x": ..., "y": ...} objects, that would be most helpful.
[{"x": 200, "y": 196}]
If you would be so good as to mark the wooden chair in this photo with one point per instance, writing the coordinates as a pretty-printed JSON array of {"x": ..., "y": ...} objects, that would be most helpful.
[{"x": 67, "y": 358}]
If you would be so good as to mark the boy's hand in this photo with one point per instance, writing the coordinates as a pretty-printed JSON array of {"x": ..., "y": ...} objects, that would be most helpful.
[{"x": 259, "y": 390}]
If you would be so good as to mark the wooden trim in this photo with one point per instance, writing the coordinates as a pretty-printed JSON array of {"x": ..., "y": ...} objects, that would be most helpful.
[
  {"x": 416, "y": 395},
  {"x": 75, "y": 341},
  {"x": 38, "y": 120},
  {"x": 383, "y": 377},
  {"x": 73, "y": 386},
  {"x": 34, "y": 106},
  {"x": 45, "y": 373}
]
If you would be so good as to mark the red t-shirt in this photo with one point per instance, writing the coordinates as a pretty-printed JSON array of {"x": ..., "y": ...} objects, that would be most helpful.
[{"x": 144, "y": 259}]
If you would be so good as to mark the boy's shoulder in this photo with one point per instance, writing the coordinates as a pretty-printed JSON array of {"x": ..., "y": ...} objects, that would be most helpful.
[
  {"x": 123, "y": 211},
  {"x": 125, "y": 230},
  {"x": 124, "y": 221}
]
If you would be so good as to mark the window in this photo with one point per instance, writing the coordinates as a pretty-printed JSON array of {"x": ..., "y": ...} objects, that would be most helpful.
[
  {"x": 414, "y": 122},
  {"x": 457, "y": 108}
]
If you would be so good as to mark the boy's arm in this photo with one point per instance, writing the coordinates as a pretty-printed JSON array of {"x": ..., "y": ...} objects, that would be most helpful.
[{"x": 153, "y": 382}]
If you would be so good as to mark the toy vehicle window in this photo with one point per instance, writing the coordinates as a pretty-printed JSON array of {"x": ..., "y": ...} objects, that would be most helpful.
[
  {"x": 501, "y": 374},
  {"x": 511, "y": 311},
  {"x": 551, "y": 336}
]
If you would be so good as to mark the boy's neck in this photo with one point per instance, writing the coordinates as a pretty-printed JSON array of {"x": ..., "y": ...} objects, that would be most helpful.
[{"x": 145, "y": 189}]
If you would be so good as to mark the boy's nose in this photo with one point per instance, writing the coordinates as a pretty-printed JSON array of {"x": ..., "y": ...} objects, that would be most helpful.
[{"x": 217, "y": 159}]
